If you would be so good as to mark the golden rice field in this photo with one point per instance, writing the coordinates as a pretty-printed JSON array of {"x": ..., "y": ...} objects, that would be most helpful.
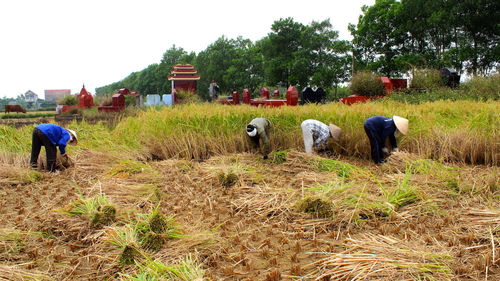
[{"x": 176, "y": 194}]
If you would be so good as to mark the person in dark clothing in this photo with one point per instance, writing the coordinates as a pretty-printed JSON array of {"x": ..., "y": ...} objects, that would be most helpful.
[
  {"x": 50, "y": 136},
  {"x": 259, "y": 129},
  {"x": 378, "y": 129}
]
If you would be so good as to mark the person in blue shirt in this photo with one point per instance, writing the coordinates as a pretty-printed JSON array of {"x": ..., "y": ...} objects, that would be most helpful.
[
  {"x": 50, "y": 136},
  {"x": 378, "y": 129}
]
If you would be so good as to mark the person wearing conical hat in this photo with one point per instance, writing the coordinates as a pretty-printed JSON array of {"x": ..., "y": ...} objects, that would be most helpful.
[
  {"x": 316, "y": 134},
  {"x": 50, "y": 136},
  {"x": 378, "y": 129},
  {"x": 259, "y": 129}
]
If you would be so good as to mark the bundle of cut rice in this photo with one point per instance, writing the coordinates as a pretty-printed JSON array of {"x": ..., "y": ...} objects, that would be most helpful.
[
  {"x": 62, "y": 163},
  {"x": 398, "y": 161}
]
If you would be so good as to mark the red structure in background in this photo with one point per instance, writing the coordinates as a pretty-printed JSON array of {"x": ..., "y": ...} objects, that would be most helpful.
[
  {"x": 264, "y": 93},
  {"x": 393, "y": 84},
  {"x": 118, "y": 101},
  {"x": 85, "y": 100},
  {"x": 292, "y": 98},
  {"x": 390, "y": 84},
  {"x": 184, "y": 77}
]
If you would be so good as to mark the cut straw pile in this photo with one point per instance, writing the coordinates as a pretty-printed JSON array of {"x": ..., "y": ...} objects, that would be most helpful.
[
  {"x": 16, "y": 273},
  {"x": 398, "y": 161},
  {"x": 382, "y": 258},
  {"x": 482, "y": 221}
]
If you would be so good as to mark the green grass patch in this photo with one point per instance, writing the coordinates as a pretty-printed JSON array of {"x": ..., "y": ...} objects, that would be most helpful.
[
  {"x": 27, "y": 115},
  {"x": 342, "y": 169},
  {"x": 129, "y": 167},
  {"x": 278, "y": 157},
  {"x": 330, "y": 188},
  {"x": 186, "y": 269}
]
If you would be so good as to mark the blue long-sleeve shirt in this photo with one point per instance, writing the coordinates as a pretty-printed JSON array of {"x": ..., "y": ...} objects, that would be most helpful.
[
  {"x": 56, "y": 134},
  {"x": 383, "y": 128}
]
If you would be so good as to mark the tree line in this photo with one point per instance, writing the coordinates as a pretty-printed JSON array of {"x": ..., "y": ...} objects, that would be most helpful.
[{"x": 391, "y": 38}]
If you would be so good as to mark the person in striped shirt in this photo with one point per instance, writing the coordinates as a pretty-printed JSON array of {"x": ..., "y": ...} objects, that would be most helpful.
[{"x": 316, "y": 134}]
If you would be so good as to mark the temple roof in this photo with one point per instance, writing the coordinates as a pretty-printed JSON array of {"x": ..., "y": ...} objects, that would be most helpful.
[
  {"x": 183, "y": 72},
  {"x": 184, "y": 66},
  {"x": 183, "y": 77},
  {"x": 84, "y": 91}
]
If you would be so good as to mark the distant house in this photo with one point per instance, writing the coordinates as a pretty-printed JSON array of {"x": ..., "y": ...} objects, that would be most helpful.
[
  {"x": 29, "y": 96},
  {"x": 31, "y": 99},
  {"x": 56, "y": 95}
]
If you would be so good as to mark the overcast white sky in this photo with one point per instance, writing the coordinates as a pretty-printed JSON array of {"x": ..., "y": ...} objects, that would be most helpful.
[{"x": 61, "y": 44}]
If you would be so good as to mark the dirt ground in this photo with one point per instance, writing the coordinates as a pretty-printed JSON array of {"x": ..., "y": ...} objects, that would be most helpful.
[{"x": 254, "y": 228}]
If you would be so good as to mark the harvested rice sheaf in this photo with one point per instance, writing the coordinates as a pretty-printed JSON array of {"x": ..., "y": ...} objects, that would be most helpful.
[
  {"x": 400, "y": 160},
  {"x": 316, "y": 206},
  {"x": 13, "y": 176},
  {"x": 105, "y": 216},
  {"x": 152, "y": 241},
  {"x": 62, "y": 163},
  {"x": 128, "y": 255},
  {"x": 158, "y": 224},
  {"x": 228, "y": 180}
]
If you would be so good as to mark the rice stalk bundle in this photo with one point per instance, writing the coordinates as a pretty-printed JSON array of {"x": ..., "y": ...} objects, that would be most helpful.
[
  {"x": 13, "y": 272},
  {"x": 382, "y": 257},
  {"x": 482, "y": 221}
]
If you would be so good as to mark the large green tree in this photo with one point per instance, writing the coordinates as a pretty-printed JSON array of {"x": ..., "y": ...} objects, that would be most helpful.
[
  {"x": 305, "y": 55},
  {"x": 246, "y": 69},
  {"x": 213, "y": 63},
  {"x": 392, "y": 37}
]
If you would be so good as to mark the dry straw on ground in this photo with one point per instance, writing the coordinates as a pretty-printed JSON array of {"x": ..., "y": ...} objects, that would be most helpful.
[{"x": 375, "y": 257}]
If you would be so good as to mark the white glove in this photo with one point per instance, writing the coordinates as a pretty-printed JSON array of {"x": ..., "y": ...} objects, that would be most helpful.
[
  {"x": 395, "y": 149},
  {"x": 385, "y": 150}
]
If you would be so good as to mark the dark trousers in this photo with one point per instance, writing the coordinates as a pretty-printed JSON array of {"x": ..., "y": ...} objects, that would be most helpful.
[
  {"x": 376, "y": 146},
  {"x": 39, "y": 139}
]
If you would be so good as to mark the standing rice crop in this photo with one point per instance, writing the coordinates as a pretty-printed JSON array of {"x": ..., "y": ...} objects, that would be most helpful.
[{"x": 461, "y": 131}]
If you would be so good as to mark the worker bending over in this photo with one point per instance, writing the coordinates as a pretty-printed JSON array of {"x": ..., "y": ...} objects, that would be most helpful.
[
  {"x": 50, "y": 136},
  {"x": 316, "y": 134},
  {"x": 378, "y": 129},
  {"x": 260, "y": 129}
]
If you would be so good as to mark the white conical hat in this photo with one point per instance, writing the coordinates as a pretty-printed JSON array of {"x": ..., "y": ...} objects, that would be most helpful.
[
  {"x": 73, "y": 135},
  {"x": 401, "y": 124},
  {"x": 251, "y": 130},
  {"x": 335, "y": 132}
]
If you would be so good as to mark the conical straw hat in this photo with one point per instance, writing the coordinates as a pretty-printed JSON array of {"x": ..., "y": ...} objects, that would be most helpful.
[
  {"x": 401, "y": 124},
  {"x": 335, "y": 132},
  {"x": 75, "y": 138}
]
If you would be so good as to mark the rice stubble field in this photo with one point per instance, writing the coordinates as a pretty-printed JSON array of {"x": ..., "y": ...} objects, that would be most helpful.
[{"x": 132, "y": 209}]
